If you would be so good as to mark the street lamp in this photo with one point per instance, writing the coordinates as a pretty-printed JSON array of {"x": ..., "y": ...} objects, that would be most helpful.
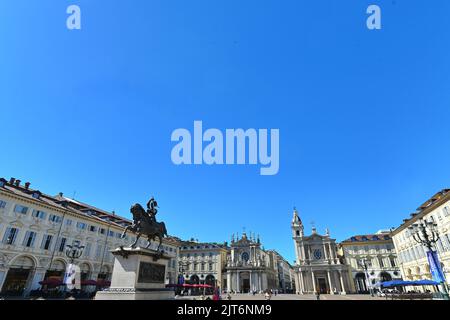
[
  {"x": 425, "y": 233},
  {"x": 363, "y": 264},
  {"x": 74, "y": 251}
]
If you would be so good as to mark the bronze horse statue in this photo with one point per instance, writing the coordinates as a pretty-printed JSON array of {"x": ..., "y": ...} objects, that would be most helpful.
[{"x": 144, "y": 223}]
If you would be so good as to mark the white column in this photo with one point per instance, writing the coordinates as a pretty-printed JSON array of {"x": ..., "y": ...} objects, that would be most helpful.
[
  {"x": 260, "y": 281},
  {"x": 325, "y": 251},
  {"x": 329, "y": 282},
  {"x": 297, "y": 282},
  {"x": 302, "y": 283},
  {"x": 342, "y": 283},
  {"x": 333, "y": 258},
  {"x": 313, "y": 281},
  {"x": 228, "y": 281},
  {"x": 238, "y": 287},
  {"x": 303, "y": 252}
]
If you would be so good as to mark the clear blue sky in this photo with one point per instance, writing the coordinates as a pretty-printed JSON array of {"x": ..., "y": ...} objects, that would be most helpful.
[{"x": 363, "y": 115}]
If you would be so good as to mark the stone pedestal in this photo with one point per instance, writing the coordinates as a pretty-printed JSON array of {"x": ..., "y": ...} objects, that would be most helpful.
[{"x": 139, "y": 274}]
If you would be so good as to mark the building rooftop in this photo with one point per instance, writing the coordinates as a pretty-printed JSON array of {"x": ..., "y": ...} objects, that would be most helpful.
[
  {"x": 14, "y": 187},
  {"x": 368, "y": 238}
]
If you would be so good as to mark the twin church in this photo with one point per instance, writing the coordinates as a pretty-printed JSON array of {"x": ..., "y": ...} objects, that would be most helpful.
[{"x": 318, "y": 267}]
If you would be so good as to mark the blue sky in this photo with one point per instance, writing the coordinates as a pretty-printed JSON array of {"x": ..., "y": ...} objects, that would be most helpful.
[{"x": 363, "y": 115}]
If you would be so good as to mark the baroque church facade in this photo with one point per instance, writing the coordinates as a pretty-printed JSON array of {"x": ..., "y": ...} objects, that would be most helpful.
[
  {"x": 318, "y": 268},
  {"x": 249, "y": 267}
]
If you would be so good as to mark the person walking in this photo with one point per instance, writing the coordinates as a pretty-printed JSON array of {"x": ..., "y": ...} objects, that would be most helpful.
[{"x": 318, "y": 295}]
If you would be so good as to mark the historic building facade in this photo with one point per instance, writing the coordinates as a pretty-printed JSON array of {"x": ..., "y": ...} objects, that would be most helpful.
[
  {"x": 413, "y": 256},
  {"x": 249, "y": 267},
  {"x": 372, "y": 259},
  {"x": 318, "y": 267},
  {"x": 203, "y": 263},
  {"x": 35, "y": 229}
]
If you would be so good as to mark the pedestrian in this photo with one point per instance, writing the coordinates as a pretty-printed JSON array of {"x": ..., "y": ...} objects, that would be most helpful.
[
  {"x": 318, "y": 295},
  {"x": 228, "y": 296}
]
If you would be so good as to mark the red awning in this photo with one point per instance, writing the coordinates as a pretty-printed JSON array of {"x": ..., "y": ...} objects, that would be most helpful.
[
  {"x": 188, "y": 286},
  {"x": 51, "y": 282},
  {"x": 88, "y": 283}
]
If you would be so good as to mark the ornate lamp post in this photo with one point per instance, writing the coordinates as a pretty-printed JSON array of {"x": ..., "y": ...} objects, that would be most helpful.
[
  {"x": 363, "y": 264},
  {"x": 73, "y": 252},
  {"x": 425, "y": 233}
]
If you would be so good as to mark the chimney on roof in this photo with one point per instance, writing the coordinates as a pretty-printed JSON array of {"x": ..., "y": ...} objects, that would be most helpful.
[
  {"x": 27, "y": 185},
  {"x": 61, "y": 194},
  {"x": 11, "y": 181},
  {"x": 17, "y": 183}
]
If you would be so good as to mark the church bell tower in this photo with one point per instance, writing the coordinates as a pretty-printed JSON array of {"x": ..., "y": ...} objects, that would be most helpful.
[{"x": 297, "y": 226}]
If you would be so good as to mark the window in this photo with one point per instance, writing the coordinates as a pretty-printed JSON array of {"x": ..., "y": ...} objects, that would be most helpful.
[
  {"x": 297, "y": 233},
  {"x": 68, "y": 222},
  {"x": 39, "y": 214},
  {"x": 392, "y": 259},
  {"x": 380, "y": 259},
  {"x": 81, "y": 225},
  {"x": 203, "y": 267},
  {"x": 98, "y": 252},
  {"x": 210, "y": 267},
  {"x": 446, "y": 211},
  {"x": 2, "y": 204},
  {"x": 87, "y": 250},
  {"x": 245, "y": 256},
  {"x": 10, "y": 235},
  {"x": 62, "y": 244},
  {"x": 28, "y": 241},
  {"x": 20, "y": 209},
  {"x": 102, "y": 230},
  {"x": 54, "y": 218},
  {"x": 111, "y": 233},
  {"x": 46, "y": 242},
  {"x": 92, "y": 228},
  {"x": 317, "y": 254}
]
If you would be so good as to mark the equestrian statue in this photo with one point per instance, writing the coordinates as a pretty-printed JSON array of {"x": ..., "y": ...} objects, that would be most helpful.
[{"x": 145, "y": 224}]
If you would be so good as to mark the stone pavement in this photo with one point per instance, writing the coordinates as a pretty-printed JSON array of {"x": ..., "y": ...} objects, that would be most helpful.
[{"x": 296, "y": 297}]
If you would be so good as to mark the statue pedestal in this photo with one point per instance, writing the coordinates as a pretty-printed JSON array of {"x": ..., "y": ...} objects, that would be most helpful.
[{"x": 139, "y": 274}]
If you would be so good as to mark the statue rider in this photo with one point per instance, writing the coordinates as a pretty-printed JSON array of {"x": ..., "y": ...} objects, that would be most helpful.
[{"x": 151, "y": 209}]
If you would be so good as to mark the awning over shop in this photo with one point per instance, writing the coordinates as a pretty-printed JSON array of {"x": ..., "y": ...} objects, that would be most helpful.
[{"x": 401, "y": 283}]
